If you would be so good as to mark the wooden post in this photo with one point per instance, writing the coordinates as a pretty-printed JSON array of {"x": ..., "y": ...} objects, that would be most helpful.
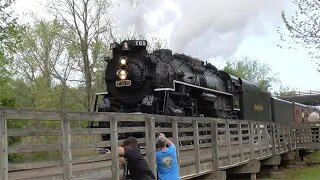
[
  {"x": 175, "y": 134},
  {"x": 289, "y": 138},
  {"x": 284, "y": 139},
  {"x": 240, "y": 141},
  {"x": 273, "y": 139},
  {"x": 66, "y": 139},
  {"x": 259, "y": 138},
  {"x": 266, "y": 138},
  {"x": 253, "y": 176},
  {"x": 270, "y": 138},
  {"x": 3, "y": 147},
  {"x": 227, "y": 131},
  {"x": 150, "y": 143},
  {"x": 294, "y": 137},
  {"x": 278, "y": 138},
  {"x": 251, "y": 142},
  {"x": 196, "y": 145},
  {"x": 114, "y": 148},
  {"x": 214, "y": 146}
]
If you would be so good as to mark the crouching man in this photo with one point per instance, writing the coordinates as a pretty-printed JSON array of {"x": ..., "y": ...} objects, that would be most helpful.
[
  {"x": 138, "y": 167},
  {"x": 168, "y": 168}
]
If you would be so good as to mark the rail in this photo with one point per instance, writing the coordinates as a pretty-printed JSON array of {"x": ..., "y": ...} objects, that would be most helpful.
[
  {"x": 204, "y": 145},
  {"x": 302, "y": 93}
]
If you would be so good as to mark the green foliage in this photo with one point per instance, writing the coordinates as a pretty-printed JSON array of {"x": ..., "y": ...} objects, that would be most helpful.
[
  {"x": 252, "y": 70},
  {"x": 9, "y": 38},
  {"x": 44, "y": 63},
  {"x": 285, "y": 91},
  {"x": 7, "y": 98},
  {"x": 40, "y": 96},
  {"x": 69, "y": 98},
  {"x": 9, "y": 35},
  {"x": 15, "y": 140},
  {"x": 86, "y": 23},
  {"x": 309, "y": 173},
  {"x": 313, "y": 158},
  {"x": 40, "y": 50},
  {"x": 99, "y": 51},
  {"x": 23, "y": 96},
  {"x": 43, "y": 59},
  {"x": 43, "y": 94},
  {"x": 304, "y": 172},
  {"x": 35, "y": 157}
]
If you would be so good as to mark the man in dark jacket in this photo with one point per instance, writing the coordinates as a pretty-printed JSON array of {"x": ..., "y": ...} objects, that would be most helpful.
[{"x": 138, "y": 167}]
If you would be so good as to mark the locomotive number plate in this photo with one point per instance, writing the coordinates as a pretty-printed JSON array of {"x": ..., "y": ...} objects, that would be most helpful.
[{"x": 123, "y": 83}]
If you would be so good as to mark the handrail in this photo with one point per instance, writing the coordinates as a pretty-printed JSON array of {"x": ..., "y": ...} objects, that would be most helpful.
[{"x": 226, "y": 143}]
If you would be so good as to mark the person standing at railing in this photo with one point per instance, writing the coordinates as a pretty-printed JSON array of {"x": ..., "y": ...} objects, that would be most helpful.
[
  {"x": 314, "y": 118},
  {"x": 168, "y": 167},
  {"x": 138, "y": 167}
]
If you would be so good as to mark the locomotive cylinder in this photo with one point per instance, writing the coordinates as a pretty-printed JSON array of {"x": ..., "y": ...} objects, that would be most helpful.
[{"x": 209, "y": 97}]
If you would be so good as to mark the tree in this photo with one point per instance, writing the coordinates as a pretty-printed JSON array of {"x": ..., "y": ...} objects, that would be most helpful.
[
  {"x": 157, "y": 43},
  {"x": 45, "y": 63},
  {"x": 252, "y": 70},
  {"x": 87, "y": 22},
  {"x": 285, "y": 91},
  {"x": 303, "y": 28},
  {"x": 39, "y": 59},
  {"x": 9, "y": 38},
  {"x": 41, "y": 50}
]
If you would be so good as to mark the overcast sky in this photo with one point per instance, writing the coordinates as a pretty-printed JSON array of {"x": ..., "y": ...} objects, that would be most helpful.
[{"x": 212, "y": 30}]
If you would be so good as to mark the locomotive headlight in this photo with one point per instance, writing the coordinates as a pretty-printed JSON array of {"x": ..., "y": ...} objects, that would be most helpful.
[
  {"x": 123, "y": 61},
  {"x": 122, "y": 74}
]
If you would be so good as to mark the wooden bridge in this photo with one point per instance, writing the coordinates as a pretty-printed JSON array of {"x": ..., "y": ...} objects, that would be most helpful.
[
  {"x": 311, "y": 97},
  {"x": 208, "y": 147}
]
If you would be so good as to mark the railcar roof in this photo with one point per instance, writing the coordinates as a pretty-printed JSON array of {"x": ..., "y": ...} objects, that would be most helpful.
[{"x": 282, "y": 100}]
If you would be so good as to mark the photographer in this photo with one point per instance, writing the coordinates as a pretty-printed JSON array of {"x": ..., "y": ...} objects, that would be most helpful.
[
  {"x": 137, "y": 165},
  {"x": 168, "y": 168}
]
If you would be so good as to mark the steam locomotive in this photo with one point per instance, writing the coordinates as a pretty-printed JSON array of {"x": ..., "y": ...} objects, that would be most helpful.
[
  {"x": 174, "y": 84},
  {"x": 178, "y": 85}
]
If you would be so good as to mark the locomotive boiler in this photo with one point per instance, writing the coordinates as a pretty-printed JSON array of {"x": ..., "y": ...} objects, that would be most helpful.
[{"x": 168, "y": 84}]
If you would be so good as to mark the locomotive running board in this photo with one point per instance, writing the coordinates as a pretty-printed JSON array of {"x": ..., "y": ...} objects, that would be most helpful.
[
  {"x": 191, "y": 85},
  {"x": 102, "y": 93}
]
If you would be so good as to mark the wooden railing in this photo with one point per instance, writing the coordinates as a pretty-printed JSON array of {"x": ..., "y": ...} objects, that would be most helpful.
[
  {"x": 302, "y": 93},
  {"x": 308, "y": 135},
  {"x": 204, "y": 145}
]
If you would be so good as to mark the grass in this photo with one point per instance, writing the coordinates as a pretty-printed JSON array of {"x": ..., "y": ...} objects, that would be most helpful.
[
  {"x": 313, "y": 158},
  {"x": 308, "y": 173},
  {"x": 53, "y": 155},
  {"x": 311, "y": 172}
]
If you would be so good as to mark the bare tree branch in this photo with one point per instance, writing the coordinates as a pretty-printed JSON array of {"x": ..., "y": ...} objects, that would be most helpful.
[{"x": 87, "y": 19}]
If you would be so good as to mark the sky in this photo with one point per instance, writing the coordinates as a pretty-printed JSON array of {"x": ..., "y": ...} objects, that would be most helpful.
[{"x": 212, "y": 30}]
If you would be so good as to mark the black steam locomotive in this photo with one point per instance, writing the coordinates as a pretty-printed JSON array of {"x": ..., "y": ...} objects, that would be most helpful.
[
  {"x": 178, "y": 85},
  {"x": 175, "y": 85}
]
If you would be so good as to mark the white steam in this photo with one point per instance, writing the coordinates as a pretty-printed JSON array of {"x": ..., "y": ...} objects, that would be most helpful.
[
  {"x": 146, "y": 16},
  {"x": 201, "y": 28}
]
